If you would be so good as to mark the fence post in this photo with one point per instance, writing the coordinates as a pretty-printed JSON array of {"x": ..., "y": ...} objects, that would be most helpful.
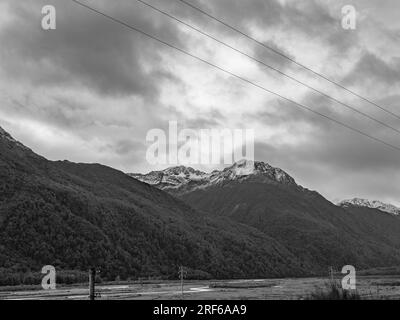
[{"x": 92, "y": 281}]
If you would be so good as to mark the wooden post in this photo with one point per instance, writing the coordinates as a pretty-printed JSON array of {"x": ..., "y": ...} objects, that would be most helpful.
[
  {"x": 181, "y": 277},
  {"x": 92, "y": 280},
  {"x": 331, "y": 274}
]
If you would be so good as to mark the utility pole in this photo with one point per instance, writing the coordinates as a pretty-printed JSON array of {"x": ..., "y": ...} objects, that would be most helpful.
[{"x": 92, "y": 281}]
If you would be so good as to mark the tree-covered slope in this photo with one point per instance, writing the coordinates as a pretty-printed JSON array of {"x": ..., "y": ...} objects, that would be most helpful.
[
  {"x": 316, "y": 231},
  {"x": 74, "y": 216}
]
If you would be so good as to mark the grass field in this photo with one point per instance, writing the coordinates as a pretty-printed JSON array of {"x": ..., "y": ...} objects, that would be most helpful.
[{"x": 368, "y": 287}]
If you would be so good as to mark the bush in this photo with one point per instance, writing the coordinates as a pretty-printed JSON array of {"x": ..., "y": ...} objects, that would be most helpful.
[{"x": 333, "y": 291}]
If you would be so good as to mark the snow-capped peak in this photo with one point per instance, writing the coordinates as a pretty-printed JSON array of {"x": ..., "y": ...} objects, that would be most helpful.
[
  {"x": 181, "y": 176},
  {"x": 374, "y": 204},
  {"x": 242, "y": 168},
  {"x": 183, "y": 171},
  {"x": 170, "y": 177},
  {"x": 247, "y": 168}
]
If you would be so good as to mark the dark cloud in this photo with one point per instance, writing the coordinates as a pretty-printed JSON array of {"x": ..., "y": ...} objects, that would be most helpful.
[
  {"x": 244, "y": 13},
  {"x": 310, "y": 18},
  {"x": 282, "y": 112},
  {"x": 292, "y": 115},
  {"x": 339, "y": 164},
  {"x": 124, "y": 147},
  {"x": 86, "y": 49},
  {"x": 371, "y": 68},
  {"x": 330, "y": 158},
  {"x": 326, "y": 111},
  {"x": 270, "y": 57},
  {"x": 211, "y": 119},
  {"x": 100, "y": 87}
]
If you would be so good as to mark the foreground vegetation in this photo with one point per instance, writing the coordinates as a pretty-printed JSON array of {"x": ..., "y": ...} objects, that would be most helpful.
[{"x": 332, "y": 290}]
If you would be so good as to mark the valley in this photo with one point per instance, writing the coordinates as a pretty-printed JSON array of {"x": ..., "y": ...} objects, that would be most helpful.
[
  {"x": 248, "y": 221},
  {"x": 369, "y": 287}
]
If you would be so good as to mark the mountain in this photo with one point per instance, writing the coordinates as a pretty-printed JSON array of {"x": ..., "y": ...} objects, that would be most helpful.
[
  {"x": 170, "y": 178},
  {"x": 181, "y": 179},
  {"x": 250, "y": 220},
  {"x": 358, "y": 202},
  {"x": 75, "y": 215},
  {"x": 312, "y": 228}
]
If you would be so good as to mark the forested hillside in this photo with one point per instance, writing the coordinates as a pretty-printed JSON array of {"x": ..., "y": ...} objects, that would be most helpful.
[{"x": 74, "y": 216}]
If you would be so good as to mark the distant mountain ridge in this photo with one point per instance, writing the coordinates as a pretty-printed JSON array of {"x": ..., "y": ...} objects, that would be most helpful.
[
  {"x": 374, "y": 204},
  {"x": 181, "y": 179},
  {"x": 312, "y": 228}
]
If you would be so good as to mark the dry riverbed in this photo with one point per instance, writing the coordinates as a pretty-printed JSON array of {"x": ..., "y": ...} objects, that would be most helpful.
[{"x": 369, "y": 287}]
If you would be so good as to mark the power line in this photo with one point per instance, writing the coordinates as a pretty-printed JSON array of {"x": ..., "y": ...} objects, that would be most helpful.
[
  {"x": 235, "y": 75},
  {"x": 269, "y": 66},
  {"x": 290, "y": 59}
]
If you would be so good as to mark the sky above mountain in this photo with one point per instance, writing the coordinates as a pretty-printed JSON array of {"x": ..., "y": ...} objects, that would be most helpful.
[{"x": 90, "y": 90}]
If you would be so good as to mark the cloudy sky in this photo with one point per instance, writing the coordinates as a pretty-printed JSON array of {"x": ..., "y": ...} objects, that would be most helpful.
[{"x": 90, "y": 90}]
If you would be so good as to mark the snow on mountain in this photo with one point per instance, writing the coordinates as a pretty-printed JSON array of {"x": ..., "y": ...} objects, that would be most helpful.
[
  {"x": 243, "y": 167},
  {"x": 189, "y": 178},
  {"x": 170, "y": 177},
  {"x": 358, "y": 202}
]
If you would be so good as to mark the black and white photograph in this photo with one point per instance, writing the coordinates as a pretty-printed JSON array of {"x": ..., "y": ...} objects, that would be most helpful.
[{"x": 193, "y": 150}]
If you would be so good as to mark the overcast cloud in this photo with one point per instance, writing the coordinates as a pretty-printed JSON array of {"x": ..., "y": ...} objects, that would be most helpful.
[{"x": 90, "y": 90}]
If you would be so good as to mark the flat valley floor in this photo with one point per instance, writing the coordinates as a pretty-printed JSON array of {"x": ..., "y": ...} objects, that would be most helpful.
[{"x": 369, "y": 287}]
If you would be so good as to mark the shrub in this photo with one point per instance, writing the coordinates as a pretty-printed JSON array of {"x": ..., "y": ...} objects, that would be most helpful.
[{"x": 333, "y": 291}]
